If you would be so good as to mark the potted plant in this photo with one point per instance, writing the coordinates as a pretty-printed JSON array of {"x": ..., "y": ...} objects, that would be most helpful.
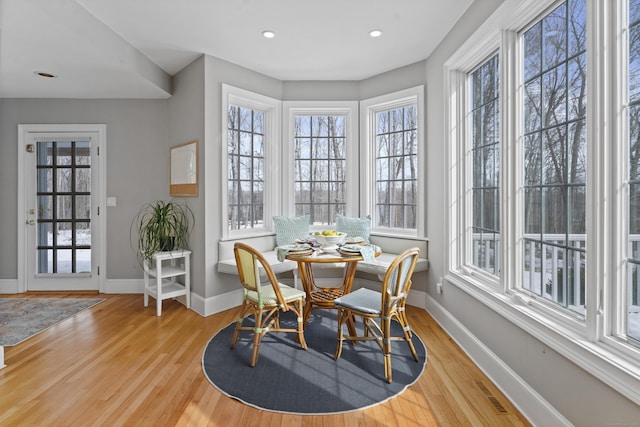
[{"x": 161, "y": 226}]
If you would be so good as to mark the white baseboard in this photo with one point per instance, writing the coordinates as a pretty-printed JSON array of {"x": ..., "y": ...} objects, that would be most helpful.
[
  {"x": 2, "y": 365},
  {"x": 222, "y": 302},
  {"x": 124, "y": 286},
  {"x": 8, "y": 286},
  {"x": 533, "y": 406}
]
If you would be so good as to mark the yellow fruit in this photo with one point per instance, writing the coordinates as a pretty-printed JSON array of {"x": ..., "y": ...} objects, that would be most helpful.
[{"x": 325, "y": 232}]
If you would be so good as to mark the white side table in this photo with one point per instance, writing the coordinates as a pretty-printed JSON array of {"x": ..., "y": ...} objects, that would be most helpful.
[{"x": 176, "y": 263}]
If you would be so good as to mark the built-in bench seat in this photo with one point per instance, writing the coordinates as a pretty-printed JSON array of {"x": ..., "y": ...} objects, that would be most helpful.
[
  {"x": 265, "y": 244},
  {"x": 391, "y": 247}
]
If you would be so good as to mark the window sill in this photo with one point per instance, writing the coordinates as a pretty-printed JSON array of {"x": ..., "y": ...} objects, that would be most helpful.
[
  {"x": 617, "y": 369},
  {"x": 247, "y": 234}
]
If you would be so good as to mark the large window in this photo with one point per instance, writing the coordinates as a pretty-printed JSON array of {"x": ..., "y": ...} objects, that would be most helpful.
[
  {"x": 562, "y": 146},
  {"x": 554, "y": 115},
  {"x": 245, "y": 148},
  {"x": 252, "y": 128},
  {"x": 633, "y": 173},
  {"x": 320, "y": 166},
  {"x": 396, "y": 167},
  {"x": 393, "y": 152},
  {"x": 485, "y": 157}
]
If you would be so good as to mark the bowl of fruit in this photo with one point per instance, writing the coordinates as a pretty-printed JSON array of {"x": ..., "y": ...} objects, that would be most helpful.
[{"x": 329, "y": 238}]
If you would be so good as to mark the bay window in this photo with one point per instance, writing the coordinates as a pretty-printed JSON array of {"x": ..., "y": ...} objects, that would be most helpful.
[
  {"x": 252, "y": 125},
  {"x": 393, "y": 155},
  {"x": 321, "y": 172}
]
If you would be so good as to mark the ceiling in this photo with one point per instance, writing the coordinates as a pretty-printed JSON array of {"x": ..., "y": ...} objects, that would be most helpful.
[{"x": 130, "y": 48}]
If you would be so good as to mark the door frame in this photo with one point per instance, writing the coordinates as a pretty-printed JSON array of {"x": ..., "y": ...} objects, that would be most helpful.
[{"x": 25, "y": 133}]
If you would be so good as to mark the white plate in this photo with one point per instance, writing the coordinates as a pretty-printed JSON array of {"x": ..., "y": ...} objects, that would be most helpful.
[
  {"x": 350, "y": 248},
  {"x": 296, "y": 248}
]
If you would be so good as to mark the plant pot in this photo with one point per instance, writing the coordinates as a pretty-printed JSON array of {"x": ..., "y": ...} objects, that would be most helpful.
[{"x": 167, "y": 244}]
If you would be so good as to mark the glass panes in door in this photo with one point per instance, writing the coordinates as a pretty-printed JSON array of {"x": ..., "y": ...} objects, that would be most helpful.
[{"x": 64, "y": 207}]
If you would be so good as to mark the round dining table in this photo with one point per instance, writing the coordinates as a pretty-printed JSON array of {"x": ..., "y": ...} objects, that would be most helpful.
[{"x": 323, "y": 296}]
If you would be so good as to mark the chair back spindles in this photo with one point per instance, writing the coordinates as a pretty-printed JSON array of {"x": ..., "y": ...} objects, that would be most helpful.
[
  {"x": 397, "y": 280},
  {"x": 263, "y": 303},
  {"x": 377, "y": 319}
]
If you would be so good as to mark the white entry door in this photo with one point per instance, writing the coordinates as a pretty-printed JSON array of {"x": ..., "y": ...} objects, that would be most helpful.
[{"x": 61, "y": 206}]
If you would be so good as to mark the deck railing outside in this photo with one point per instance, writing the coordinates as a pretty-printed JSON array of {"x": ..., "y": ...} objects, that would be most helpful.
[{"x": 552, "y": 276}]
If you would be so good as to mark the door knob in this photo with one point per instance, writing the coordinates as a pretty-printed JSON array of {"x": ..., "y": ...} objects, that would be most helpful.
[{"x": 31, "y": 222}]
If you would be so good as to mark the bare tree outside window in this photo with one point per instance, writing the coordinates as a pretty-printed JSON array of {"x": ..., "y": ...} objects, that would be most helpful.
[
  {"x": 396, "y": 167},
  {"x": 320, "y": 163},
  {"x": 245, "y": 151},
  {"x": 555, "y": 156},
  {"x": 485, "y": 153},
  {"x": 633, "y": 147}
]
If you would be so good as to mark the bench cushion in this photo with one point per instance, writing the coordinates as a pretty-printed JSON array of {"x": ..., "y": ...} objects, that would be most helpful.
[
  {"x": 229, "y": 265},
  {"x": 382, "y": 262}
]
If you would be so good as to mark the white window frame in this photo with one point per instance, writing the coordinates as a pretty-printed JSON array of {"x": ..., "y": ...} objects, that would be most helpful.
[
  {"x": 368, "y": 109},
  {"x": 321, "y": 108},
  {"x": 272, "y": 111},
  {"x": 593, "y": 342}
]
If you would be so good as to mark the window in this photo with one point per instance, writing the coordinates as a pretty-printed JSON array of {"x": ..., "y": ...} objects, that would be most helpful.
[
  {"x": 632, "y": 293},
  {"x": 320, "y": 165},
  {"x": 566, "y": 163},
  {"x": 554, "y": 137},
  {"x": 251, "y": 122},
  {"x": 393, "y": 139},
  {"x": 322, "y": 168},
  {"x": 485, "y": 155},
  {"x": 245, "y": 148}
]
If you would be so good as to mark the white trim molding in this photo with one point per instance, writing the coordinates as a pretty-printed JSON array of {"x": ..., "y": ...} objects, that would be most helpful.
[{"x": 531, "y": 404}]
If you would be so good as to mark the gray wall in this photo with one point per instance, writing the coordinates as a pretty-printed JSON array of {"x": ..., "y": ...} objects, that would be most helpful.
[
  {"x": 137, "y": 161},
  {"x": 217, "y": 72},
  {"x": 187, "y": 123}
]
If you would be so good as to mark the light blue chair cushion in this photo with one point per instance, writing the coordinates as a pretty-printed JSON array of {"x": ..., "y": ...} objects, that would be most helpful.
[
  {"x": 354, "y": 227},
  {"x": 288, "y": 229},
  {"x": 364, "y": 300}
]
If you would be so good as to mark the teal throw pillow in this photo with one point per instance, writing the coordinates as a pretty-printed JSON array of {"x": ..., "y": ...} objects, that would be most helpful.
[
  {"x": 354, "y": 227},
  {"x": 288, "y": 229}
]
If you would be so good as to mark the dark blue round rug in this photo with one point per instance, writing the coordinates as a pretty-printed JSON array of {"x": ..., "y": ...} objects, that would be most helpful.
[{"x": 288, "y": 379}]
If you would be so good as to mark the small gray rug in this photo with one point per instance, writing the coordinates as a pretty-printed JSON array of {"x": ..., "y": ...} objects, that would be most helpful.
[
  {"x": 288, "y": 379},
  {"x": 22, "y": 318}
]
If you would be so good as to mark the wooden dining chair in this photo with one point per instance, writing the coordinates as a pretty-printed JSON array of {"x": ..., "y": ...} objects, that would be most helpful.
[
  {"x": 264, "y": 302},
  {"x": 383, "y": 306}
]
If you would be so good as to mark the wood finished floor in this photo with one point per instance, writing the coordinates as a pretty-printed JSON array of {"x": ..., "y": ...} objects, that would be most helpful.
[{"x": 117, "y": 364}]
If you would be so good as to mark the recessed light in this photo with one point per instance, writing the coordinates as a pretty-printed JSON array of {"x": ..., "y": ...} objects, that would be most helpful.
[
  {"x": 43, "y": 74},
  {"x": 375, "y": 33},
  {"x": 268, "y": 34}
]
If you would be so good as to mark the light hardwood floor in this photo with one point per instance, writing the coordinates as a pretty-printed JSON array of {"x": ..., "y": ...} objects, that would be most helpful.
[{"x": 118, "y": 364}]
